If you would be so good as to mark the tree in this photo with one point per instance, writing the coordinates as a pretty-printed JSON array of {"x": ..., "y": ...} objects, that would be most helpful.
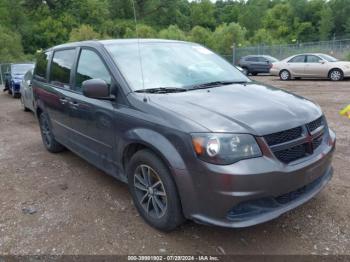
[
  {"x": 226, "y": 35},
  {"x": 262, "y": 36},
  {"x": 202, "y": 14},
  {"x": 326, "y": 23},
  {"x": 172, "y": 32},
  {"x": 84, "y": 32},
  {"x": 11, "y": 47},
  {"x": 200, "y": 35}
]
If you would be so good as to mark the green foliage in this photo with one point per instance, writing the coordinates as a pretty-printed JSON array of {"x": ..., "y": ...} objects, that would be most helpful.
[
  {"x": 11, "y": 47},
  {"x": 172, "y": 32},
  {"x": 202, "y": 14},
  {"x": 201, "y": 35},
  {"x": 84, "y": 32},
  {"x": 37, "y": 24},
  {"x": 226, "y": 35},
  {"x": 348, "y": 57}
]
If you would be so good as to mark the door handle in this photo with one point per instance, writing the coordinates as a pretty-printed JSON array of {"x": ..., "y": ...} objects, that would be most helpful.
[
  {"x": 74, "y": 104},
  {"x": 63, "y": 100}
]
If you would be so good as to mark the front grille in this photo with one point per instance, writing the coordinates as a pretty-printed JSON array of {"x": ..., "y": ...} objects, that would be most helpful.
[
  {"x": 291, "y": 154},
  {"x": 312, "y": 126},
  {"x": 317, "y": 142},
  {"x": 283, "y": 136},
  {"x": 289, "y": 197},
  {"x": 302, "y": 141}
]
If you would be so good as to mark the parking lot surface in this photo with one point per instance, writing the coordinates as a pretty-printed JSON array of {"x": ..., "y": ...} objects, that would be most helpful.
[{"x": 60, "y": 204}]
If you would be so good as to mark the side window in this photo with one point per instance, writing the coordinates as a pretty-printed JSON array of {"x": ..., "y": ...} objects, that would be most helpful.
[
  {"x": 262, "y": 59},
  {"x": 252, "y": 59},
  {"x": 90, "y": 66},
  {"x": 298, "y": 59},
  {"x": 61, "y": 67},
  {"x": 42, "y": 60},
  {"x": 313, "y": 59}
]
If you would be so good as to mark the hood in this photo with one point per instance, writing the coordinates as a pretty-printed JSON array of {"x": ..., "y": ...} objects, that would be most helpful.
[
  {"x": 252, "y": 108},
  {"x": 343, "y": 63}
]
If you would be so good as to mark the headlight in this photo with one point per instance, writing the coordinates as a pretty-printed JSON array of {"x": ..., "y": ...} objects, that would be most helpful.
[{"x": 225, "y": 149}]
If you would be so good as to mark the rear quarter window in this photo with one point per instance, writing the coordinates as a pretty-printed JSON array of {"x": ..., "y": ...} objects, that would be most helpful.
[{"x": 42, "y": 60}]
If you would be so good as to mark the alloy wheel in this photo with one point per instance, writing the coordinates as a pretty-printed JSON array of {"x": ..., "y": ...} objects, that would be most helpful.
[
  {"x": 284, "y": 75},
  {"x": 336, "y": 75},
  {"x": 150, "y": 191},
  {"x": 45, "y": 129}
]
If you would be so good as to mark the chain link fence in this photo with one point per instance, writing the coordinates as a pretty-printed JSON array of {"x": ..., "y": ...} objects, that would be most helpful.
[
  {"x": 337, "y": 48},
  {"x": 4, "y": 68}
]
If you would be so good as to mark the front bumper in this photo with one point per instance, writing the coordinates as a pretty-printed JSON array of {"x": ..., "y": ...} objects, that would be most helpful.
[
  {"x": 256, "y": 190},
  {"x": 347, "y": 72},
  {"x": 15, "y": 87}
]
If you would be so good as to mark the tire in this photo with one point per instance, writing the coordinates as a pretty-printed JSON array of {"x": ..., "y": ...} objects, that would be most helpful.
[
  {"x": 336, "y": 75},
  {"x": 245, "y": 71},
  {"x": 25, "y": 109},
  {"x": 153, "y": 191},
  {"x": 14, "y": 94},
  {"x": 48, "y": 138},
  {"x": 285, "y": 75},
  {"x": 254, "y": 74}
]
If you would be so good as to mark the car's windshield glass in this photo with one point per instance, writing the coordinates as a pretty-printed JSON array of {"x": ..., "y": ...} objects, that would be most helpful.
[
  {"x": 328, "y": 58},
  {"x": 170, "y": 64},
  {"x": 21, "y": 69}
]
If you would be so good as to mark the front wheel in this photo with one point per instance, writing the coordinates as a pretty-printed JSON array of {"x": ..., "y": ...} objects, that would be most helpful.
[
  {"x": 284, "y": 75},
  {"x": 336, "y": 75},
  {"x": 48, "y": 138},
  {"x": 154, "y": 192},
  {"x": 25, "y": 109}
]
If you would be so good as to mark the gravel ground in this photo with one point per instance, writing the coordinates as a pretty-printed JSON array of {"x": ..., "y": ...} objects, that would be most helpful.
[{"x": 60, "y": 204}]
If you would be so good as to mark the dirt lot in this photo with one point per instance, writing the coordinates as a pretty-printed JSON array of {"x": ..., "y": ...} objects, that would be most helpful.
[{"x": 60, "y": 204}]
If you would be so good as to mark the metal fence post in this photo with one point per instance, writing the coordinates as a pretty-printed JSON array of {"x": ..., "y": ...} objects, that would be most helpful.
[
  {"x": 2, "y": 81},
  {"x": 233, "y": 53}
]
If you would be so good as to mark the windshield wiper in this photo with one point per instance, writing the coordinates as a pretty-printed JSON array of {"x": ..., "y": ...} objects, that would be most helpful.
[
  {"x": 162, "y": 90},
  {"x": 216, "y": 84}
]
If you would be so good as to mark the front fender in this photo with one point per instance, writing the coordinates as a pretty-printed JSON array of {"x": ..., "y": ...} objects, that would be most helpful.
[
  {"x": 156, "y": 142},
  {"x": 170, "y": 155}
]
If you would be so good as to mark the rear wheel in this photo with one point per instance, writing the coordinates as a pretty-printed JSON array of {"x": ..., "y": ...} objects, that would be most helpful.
[
  {"x": 336, "y": 75},
  {"x": 254, "y": 74},
  {"x": 245, "y": 71},
  {"x": 48, "y": 138},
  {"x": 284, "y": 75},
  {"x": 154, "y": 191}
]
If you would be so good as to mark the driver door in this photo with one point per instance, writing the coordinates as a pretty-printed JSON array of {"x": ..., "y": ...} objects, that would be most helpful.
[{"x": 92, "y": 120}]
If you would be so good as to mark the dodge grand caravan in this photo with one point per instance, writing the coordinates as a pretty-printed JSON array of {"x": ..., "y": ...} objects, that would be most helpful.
[{"x": 191, "y": 136}]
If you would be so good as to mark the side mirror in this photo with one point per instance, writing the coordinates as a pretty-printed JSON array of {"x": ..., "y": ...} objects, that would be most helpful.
[
  {"x": 322, "y": 62},
  {"x": 96, "y": 88}
]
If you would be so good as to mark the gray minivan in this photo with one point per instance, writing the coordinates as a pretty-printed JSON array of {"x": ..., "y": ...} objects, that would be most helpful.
[{"x": 192, "y": 136}]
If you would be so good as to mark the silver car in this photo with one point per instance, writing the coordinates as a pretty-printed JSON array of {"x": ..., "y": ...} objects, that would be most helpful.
[
  {"x": 27, "y": 92},
  {"x": 311, "y": 66}
]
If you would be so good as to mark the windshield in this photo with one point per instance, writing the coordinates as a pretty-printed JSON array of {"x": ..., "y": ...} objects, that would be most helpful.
[
  {"x": 169, "y": 64},
  {"x": 21, "y": 69},
  {"x": 328, "y": 58}
]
